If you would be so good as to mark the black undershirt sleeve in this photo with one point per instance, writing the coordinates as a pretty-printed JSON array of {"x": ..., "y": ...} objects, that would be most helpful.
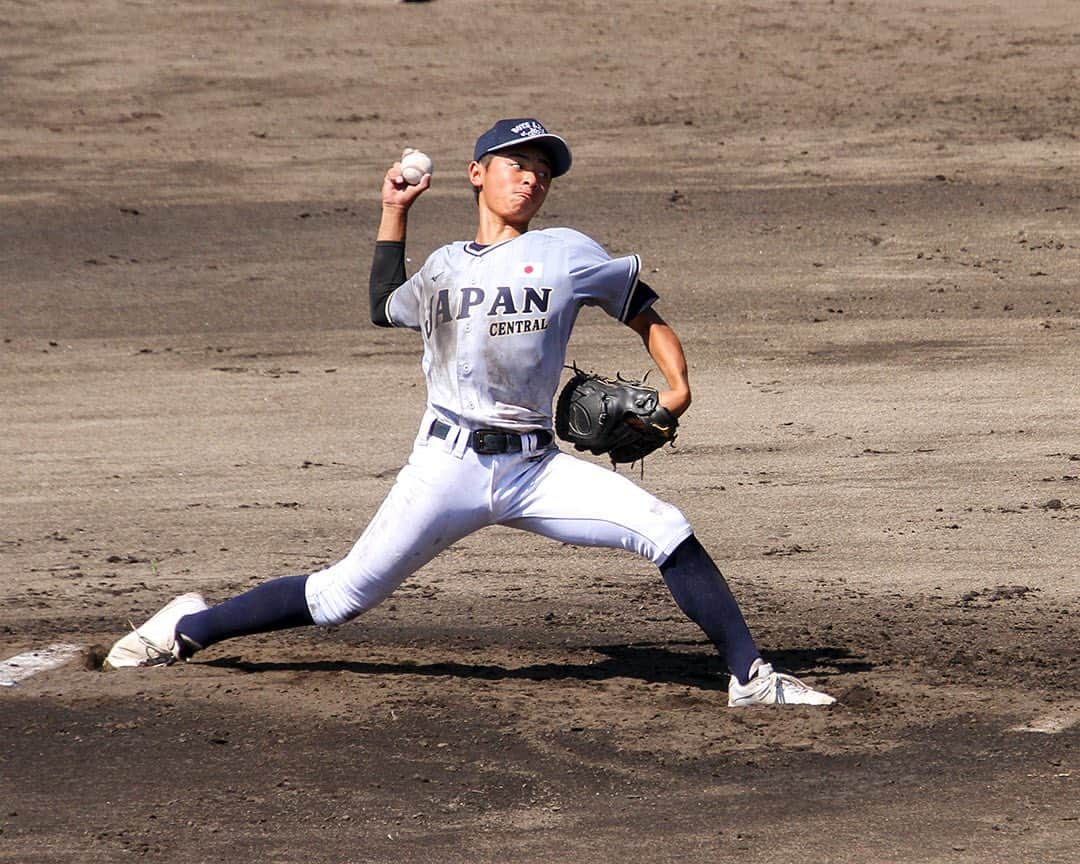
[
  {"x": 387, "y": 273},
  {"x": 640, "y": 300}
]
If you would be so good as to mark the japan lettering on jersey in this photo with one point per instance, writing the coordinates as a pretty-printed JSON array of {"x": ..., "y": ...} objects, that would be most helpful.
[{"x": 496, "y": 321}]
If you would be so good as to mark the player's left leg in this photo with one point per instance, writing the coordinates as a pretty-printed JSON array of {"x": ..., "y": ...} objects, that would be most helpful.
[
  {"x": 702, "y": 592},
  {"x": 578, "y": 502}
]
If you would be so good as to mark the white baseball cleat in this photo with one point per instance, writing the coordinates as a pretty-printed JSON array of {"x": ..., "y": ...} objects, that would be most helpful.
[
  {"x": 767, "y": 687},
  {"x": 154, "y": 643}
]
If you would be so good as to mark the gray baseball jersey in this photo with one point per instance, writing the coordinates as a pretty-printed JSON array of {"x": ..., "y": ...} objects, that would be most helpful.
[{"x": 496, "y": 321}]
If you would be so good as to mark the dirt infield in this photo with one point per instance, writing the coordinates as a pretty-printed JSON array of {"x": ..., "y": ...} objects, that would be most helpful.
[{"x": 862, "y": 218}]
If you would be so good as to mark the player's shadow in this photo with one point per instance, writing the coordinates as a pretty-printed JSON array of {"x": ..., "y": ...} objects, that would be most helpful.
[{"x": 651, "y": 663}]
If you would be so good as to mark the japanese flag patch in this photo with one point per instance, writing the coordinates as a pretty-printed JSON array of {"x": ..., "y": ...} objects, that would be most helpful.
[{"x": 530, "y": 272}]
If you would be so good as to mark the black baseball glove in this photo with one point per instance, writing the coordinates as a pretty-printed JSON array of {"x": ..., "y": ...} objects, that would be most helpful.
[{"x": 619, "y": 417}]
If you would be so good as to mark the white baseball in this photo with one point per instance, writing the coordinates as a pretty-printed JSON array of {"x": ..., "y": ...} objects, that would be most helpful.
[{"x": 414, "y": 165}]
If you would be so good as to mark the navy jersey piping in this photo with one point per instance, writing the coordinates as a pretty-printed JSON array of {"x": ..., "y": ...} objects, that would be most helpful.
[
  {"x": 633, "y": 289},
  {"x": 478, "y": 249}
]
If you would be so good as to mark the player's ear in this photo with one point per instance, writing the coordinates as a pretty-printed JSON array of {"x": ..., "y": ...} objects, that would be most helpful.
[{"x": 476, "y": 174}]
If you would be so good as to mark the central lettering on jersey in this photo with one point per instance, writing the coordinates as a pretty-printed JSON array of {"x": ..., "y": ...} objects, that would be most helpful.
[
  {"x": 501, "y": 302},
  {"x": 521, "y": 325}
]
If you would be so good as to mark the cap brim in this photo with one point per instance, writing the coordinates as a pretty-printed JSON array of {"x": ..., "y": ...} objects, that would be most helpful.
[{"x": 556, "y": 147}]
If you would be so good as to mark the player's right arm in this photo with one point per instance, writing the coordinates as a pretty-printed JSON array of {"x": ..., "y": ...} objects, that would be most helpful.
[{"x": 388, "y": 262}]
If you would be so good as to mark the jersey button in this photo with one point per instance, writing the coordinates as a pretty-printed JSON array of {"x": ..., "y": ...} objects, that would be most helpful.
[{"x": 465, "y": 367}]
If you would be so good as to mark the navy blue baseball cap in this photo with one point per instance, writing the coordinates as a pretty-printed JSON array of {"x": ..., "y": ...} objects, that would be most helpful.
[{"x": 524, "y": 130}]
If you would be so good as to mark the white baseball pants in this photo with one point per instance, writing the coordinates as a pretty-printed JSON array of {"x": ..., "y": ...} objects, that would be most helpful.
[{"x": 447, "y": 491}]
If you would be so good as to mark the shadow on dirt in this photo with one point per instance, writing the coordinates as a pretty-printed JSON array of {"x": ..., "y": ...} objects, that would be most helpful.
[{"x": 654, "y": 664}]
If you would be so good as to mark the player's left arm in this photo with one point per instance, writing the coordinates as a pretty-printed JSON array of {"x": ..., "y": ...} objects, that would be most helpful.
[{"x": 666, "y": 350}]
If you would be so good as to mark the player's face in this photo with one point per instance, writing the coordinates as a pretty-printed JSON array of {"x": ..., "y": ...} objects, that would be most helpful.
[{"x": 513, "y": 183}]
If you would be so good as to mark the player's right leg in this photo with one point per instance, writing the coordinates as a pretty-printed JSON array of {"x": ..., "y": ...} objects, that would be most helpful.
[{"x": 438, "y": 498}]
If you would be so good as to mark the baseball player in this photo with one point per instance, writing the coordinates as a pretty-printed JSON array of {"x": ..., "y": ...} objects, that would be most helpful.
[{"x": 494, "y": 315}]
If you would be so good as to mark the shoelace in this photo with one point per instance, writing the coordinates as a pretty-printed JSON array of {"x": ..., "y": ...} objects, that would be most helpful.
[
  {"x": 779, "y": 681},
  {"x": 155, "y": 654},
  {"x": 791, "y": 680}
]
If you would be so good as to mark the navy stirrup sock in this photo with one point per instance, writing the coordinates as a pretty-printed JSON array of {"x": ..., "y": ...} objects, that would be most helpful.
[
  {"x": 703, "y": 594},
  {"x": 274, "y": 605}
]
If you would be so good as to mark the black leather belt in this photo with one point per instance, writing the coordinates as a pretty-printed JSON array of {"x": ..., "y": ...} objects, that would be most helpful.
[{"x": 491, "y": 441}]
